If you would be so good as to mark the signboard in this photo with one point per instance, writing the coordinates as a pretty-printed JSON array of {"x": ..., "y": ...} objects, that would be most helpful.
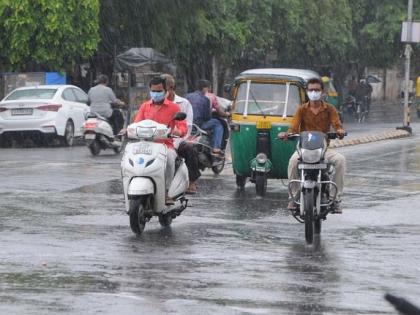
[{"x": 415, "y": 32}]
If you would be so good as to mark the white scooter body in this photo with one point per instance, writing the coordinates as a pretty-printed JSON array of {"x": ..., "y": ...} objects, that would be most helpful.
[
  {"x": 143, "y": 168},
  {"x": 99, "y": 129}
]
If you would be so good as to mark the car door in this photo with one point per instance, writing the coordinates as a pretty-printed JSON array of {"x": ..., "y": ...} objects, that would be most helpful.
[{"x": 76, "y": 110}]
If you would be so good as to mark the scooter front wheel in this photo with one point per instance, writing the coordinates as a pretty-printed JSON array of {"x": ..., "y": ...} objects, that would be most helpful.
[{"x": 137, "y": 218}]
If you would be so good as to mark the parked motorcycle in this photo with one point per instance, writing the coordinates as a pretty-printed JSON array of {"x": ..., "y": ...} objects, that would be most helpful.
[
  {"x": 317, "y": 191},
  {"x": 143, "y": 175},
  {"x": 202, "y": 142},
  {"x": 99, "y": 135}
]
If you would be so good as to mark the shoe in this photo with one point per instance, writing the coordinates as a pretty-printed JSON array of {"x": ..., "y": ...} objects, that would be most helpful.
[
  {"x": 169, "y": 201},
  {"x": 192, "y": 188},
  {"x": 217, "y": 153},
  {"x": 291, "y": 205},
  {"x": 337, "y": 208}
]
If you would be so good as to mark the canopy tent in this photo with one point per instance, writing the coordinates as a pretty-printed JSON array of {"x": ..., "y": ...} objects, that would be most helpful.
[{"x": 137, "y": 57}]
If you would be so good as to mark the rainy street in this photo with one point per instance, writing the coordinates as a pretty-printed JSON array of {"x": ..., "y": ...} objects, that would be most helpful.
[{"x": 67, "y": 248}]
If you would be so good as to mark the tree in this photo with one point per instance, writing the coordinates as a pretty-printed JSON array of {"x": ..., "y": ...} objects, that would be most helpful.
[{"x": 47, "y": 34}]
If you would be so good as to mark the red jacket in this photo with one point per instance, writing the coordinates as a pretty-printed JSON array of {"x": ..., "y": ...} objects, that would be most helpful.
[{"x": 164, "y": 115}]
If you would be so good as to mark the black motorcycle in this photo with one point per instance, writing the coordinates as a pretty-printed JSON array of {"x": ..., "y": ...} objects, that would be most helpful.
[
  {"x": 317, "y": 195},
  {"x": 201, "y": 140}
]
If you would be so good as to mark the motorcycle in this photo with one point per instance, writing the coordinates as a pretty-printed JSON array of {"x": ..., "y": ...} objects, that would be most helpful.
[
  {"x": 99, "y": 135},
  {"x": 317, "y": 191},
  {"x": 202, "y": 142},
  {"x": 143, "y": 174},
  {"x": 355, "y": 109}
]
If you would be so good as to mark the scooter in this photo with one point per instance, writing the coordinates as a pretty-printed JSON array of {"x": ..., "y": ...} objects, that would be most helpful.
[
  {"x": 143, "y": 174},
  {"x": 98, "y": 135},
  {"x": 317, "y": 191}
]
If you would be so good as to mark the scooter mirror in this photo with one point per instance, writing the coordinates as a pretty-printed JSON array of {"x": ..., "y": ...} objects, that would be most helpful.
[{"x": 180, "y": 116}]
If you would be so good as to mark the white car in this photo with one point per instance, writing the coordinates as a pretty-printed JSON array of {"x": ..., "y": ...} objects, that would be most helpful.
[{"x": 47, "y": 109}]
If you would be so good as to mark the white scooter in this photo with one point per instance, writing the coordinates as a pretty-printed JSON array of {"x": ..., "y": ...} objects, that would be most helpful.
[
  {"x": 143, "y": 174},
  {"x": 98, "y": 135}
]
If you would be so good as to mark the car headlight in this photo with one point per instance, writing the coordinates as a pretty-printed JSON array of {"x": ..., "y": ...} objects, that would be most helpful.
[
  {"x": 261, "y": 158},
  {"x": 311, "y": 156}
]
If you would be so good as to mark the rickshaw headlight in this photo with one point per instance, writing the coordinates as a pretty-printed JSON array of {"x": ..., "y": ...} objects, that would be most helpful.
[
  {"x": 311, "y": 156},
  {"x": 261, "y": 158}
]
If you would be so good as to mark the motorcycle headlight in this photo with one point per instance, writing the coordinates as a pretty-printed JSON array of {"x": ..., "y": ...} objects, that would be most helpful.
[
  {"x": 261, "y": 158},
  {"x": 311, "y": 156}
]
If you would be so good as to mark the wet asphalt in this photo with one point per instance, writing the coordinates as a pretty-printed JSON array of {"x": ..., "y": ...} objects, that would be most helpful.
[{"x": 66, "y": 246}]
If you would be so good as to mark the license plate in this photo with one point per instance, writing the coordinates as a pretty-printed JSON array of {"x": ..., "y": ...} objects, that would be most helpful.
[
  {"x": 142, "y": 149},
  {"x": 90, "y": 136},
  {"x": 321, "y": 166},
  {"x": 22, "y": 111},
  {"x": 263, "y": 125}
]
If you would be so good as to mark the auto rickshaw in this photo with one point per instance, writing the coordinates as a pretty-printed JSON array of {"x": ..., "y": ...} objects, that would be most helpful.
[{"x": 264, "y": 102}]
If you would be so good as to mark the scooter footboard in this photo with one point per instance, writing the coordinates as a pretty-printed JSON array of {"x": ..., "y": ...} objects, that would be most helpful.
[{"x": 141, "y": 186}]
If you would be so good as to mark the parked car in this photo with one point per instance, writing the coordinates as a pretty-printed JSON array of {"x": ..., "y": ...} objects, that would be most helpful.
[{"x": 48, "y": 111}]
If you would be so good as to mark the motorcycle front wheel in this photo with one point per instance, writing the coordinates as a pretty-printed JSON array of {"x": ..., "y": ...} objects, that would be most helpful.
[
  {"x": 308, "y": 202},
  {"x": 137, "y": 217}
]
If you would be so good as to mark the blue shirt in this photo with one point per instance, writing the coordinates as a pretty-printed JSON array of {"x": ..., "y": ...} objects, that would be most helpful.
[{"x": 201, "y": 107}]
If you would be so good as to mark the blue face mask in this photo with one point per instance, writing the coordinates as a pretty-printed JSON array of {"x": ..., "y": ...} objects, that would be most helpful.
[{"x": 157, "y": 97}]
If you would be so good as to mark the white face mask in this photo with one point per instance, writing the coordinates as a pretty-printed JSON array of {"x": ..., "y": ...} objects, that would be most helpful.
[{"x": 314, "y": 95}]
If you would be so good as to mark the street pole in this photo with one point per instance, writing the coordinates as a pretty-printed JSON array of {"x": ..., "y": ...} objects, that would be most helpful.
[{"x": 407, "y": 53}]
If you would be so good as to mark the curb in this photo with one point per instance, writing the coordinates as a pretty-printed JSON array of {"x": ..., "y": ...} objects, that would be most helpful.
[{"x": 394, "y": 134}]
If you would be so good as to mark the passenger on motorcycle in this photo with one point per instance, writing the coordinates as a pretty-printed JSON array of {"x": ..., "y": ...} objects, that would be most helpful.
[
  {"x": 317, "y": 115},
  {"x": 101, "y": 98},
  {"x": 202, "y": 114},
  {"x": 185, "y": 149},
  {"x": 162, "y": 110}
]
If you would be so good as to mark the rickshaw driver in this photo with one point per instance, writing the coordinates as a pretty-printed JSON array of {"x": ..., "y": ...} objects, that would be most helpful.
[{"x": 317, "y": 115}]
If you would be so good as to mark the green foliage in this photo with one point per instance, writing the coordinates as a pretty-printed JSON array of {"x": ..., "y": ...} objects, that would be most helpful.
[{"x": 48, "y": 34}]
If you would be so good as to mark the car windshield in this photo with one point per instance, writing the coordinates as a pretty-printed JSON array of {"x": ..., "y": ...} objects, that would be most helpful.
[
  {"x": 31, "y": 94},
  {"x": 267, "y": 99}
]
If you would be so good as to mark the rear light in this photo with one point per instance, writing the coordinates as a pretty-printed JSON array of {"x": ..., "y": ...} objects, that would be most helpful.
[
  {"x": 90, "y": 125},
  {"x": 3, "y": 109},
  {"x": 50, "y": 107}
]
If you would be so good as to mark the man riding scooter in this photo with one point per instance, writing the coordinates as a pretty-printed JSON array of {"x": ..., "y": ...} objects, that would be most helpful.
[
  {"x": 101, "y": 99},
  {"x": 162, "y": 110}
]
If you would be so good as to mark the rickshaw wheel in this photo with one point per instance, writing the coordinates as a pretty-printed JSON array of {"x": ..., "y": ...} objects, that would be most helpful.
[
  {"x": 261, "y": 184},
  {"x": 240, "y": 181}
]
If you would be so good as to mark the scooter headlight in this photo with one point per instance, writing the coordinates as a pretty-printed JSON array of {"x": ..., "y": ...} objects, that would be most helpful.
[
  {"x": 261, "y": 158},
  {"x": 145, "y": 132},
  {"x": 311, "y": 156}
]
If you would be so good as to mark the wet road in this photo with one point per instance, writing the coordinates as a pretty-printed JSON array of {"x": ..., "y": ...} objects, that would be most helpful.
[{"x": 67, "y": 248}]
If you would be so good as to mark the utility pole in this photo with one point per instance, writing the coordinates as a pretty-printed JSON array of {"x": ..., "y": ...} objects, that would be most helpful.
[{"x": 407, "y": 54}]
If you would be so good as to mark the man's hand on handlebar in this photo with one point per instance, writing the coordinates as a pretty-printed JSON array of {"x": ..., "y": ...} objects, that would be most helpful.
[{"x": 341, "y": 133}]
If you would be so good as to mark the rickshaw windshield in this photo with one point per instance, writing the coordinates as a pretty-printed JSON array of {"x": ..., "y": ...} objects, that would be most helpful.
[{"x": 270, "y": 99}]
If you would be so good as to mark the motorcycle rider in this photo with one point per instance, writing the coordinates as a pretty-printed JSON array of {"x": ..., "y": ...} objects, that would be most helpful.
[
  {"x": 162, "y": 110},
  {"x": 101, "y": 98},
  {"x": 202, "y": 115},
  {"x": 317, "y": 115},
  {"x": 185, "y": 149}
]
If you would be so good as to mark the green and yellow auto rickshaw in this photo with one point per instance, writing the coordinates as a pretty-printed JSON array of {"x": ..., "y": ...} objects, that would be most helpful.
[{"x": 264, "y": 102}]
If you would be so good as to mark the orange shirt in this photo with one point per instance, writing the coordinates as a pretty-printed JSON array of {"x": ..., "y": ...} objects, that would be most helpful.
[
  {"x": 162, "y": 114},
  {"x": 305, "y": 120}
]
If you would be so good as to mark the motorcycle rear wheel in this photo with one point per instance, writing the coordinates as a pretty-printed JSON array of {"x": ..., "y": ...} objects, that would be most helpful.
[
  {"x": 308, "y": 201},
  {"x": 165, "y": 220},
  {"x": 137, "y": 217}
]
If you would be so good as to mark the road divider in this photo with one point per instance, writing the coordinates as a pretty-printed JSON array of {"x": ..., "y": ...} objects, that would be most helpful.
[{"x": 386, "y": 135}]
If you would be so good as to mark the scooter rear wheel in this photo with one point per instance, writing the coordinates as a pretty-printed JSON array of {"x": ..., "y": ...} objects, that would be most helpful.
[
  {"x": 95, "y": 148},
  {"x": 137, "y": 218}
]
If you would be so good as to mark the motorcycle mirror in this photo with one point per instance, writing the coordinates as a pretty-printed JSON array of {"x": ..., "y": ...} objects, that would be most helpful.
[{"x": 180, "y": 116}]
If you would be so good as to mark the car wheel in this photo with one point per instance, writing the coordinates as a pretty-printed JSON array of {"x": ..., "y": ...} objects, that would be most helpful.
[{"x": 68, "y": 138}]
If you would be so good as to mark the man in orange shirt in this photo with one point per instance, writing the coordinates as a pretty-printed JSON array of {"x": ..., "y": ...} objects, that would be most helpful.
[
  {"x": 162, "y": 110},
  {"x": 317, "y": 115}
]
